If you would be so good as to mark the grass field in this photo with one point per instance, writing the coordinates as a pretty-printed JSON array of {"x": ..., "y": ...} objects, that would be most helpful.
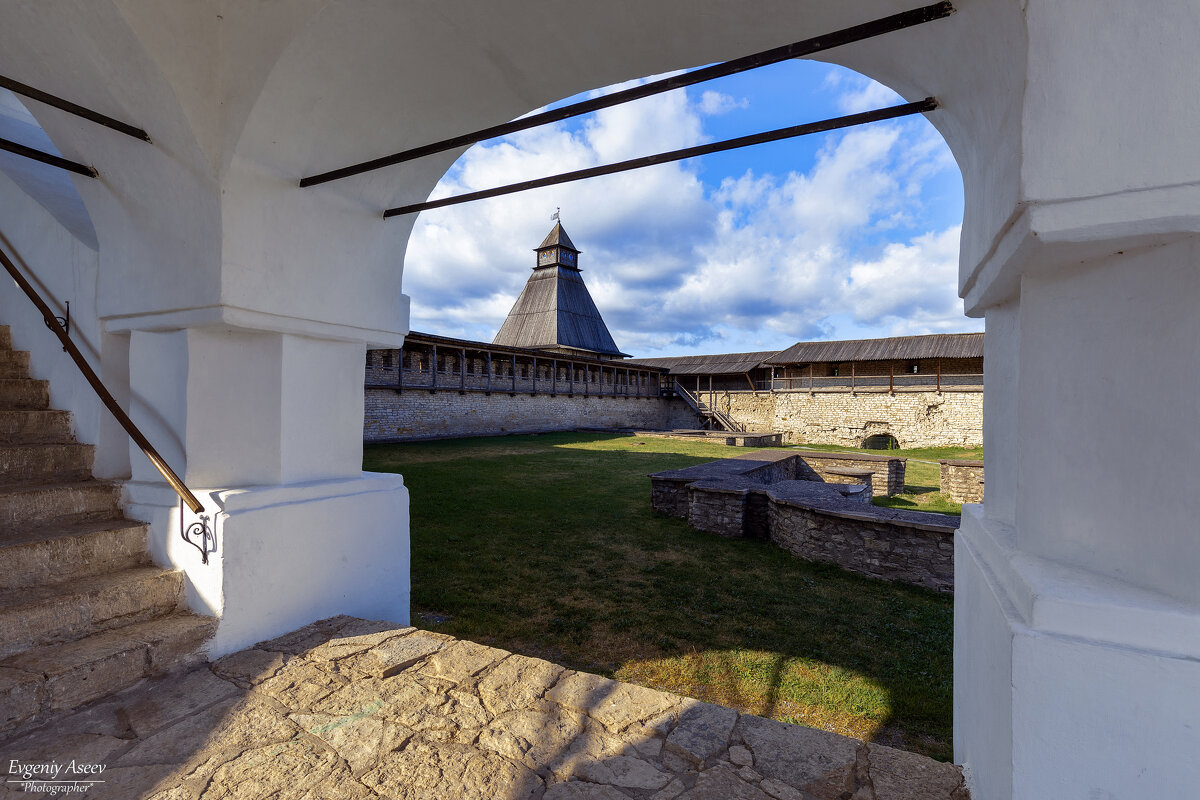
[{"x": 547, "y": 545}]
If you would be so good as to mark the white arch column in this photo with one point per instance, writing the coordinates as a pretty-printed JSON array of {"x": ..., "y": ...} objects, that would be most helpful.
[
  {"x": 235, "y": 309},
  {"x": 1077, "y": 605}
]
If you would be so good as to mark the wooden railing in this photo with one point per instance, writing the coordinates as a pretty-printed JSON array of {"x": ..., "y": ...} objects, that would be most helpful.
[
  {"x": 706, "y": 409},
  {"x": 102, "y": 392},
  {"x": 905, "y": 382}
]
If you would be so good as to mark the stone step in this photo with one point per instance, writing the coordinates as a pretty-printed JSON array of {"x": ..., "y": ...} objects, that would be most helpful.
[
  {"x": 61, "y": 552},
  {"x": 14, "y": 364},
  {"x": 32, "y": 616},
  {"x": 27, "y": 426},
  {"x": 24, "y": 393},
  {"x": 44, "y": 681},
  {"x": 53, "y": 461},
  {"x": 34, "y": 506}
]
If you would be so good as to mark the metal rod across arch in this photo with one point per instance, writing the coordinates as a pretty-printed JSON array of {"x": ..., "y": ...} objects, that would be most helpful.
[
  {"x": 16, "y": 87},
  {"x": 47, "y": 158},
  {"x": 908, "y": 109},
  {"x": 805, "y": 47}
]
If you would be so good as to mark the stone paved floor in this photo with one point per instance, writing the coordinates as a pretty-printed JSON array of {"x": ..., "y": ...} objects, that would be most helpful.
[{"x": 347, "y": 708}]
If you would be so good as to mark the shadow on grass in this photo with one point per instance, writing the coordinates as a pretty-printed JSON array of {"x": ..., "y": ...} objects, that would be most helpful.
[{"x": 547, "y": 545}]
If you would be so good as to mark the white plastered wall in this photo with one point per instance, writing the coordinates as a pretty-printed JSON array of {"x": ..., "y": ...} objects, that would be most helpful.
[{"x": 1076, "y": 142}]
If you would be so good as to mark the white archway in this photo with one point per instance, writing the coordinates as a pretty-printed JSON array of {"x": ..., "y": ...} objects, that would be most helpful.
[{"x": 247, "y": 303}]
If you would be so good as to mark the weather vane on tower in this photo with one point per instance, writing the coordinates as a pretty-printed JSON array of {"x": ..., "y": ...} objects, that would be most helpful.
[{"x": 556, "y": 216}]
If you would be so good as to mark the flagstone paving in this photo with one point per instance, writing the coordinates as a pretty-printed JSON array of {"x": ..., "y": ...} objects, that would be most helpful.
[{"x": 347, "y": 708}]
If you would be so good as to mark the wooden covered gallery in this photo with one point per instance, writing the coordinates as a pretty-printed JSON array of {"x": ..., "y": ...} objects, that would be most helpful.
[
  {"x": 896, "y": 364},
  {"x": 439, "y": 363},
  {"x": 899, "y": 363},
  {"x": 725, "y": 372}
]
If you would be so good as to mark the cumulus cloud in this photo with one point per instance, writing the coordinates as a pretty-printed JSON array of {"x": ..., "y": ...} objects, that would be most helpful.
[
  {"x": 715, "y": 103},
  {"x": 677, "y": 265},
  {"x": 858, "y": 93}
]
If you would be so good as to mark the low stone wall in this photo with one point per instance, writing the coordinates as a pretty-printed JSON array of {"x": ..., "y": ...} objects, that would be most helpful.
[
  {"x": 952, "y": 417},
  {"x": 422, "y": 414},
  {"x": 962, "y": 481},
  {"x": 887, "y": 471},
  {"x": 759, "y": 495},
  {"x": 871, "y": 542}
]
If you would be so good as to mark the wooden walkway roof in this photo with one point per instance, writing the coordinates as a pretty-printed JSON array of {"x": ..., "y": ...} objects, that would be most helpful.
[{"x": 937, "y": 345}]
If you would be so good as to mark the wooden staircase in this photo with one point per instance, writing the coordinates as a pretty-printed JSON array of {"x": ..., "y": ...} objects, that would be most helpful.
[
  {"x": 711, "y": 416},
  {"x": 83, "y": 612}
]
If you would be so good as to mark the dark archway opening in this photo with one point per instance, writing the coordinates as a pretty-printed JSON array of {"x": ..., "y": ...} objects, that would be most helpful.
[{"x": 881, "y": 441}]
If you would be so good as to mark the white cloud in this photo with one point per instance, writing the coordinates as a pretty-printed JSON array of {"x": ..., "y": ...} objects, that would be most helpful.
[
  {"x": 858, "y": 93},
  {"x": 715, "y": 103},
  {"x": 758, "y": 262}
]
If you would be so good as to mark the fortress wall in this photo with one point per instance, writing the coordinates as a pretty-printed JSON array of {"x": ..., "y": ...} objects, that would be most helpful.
[
  {"x": 916, "y": 419},
  {"x": 421, "y": 414}
]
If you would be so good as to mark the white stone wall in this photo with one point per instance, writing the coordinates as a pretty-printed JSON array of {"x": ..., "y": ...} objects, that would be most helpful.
[
  {"x": 916, "y": 419},
  {"x": 421, "y": 414}
]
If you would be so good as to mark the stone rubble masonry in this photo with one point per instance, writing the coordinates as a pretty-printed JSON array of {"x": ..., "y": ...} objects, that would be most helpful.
[
  {"x": 348, "y": 708},
  {"x": 774, "y": 495},
  {"x": 962, "y": 481},
  {"x": 887, "y": 472},
  {"x": 421, "y": 414},
  {"x": 916, "y": 419}
]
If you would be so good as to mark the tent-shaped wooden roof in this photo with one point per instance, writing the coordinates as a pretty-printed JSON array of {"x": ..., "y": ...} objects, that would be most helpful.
[{"x": 555, "y": 309}]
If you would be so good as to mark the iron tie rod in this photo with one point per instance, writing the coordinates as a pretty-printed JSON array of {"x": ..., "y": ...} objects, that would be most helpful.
[
  {"x": 908, "y": 109},
  {"x": 806, "y": 47},
  {"x": 17, "y": 87},
  {"x": 47, "y": 158}
]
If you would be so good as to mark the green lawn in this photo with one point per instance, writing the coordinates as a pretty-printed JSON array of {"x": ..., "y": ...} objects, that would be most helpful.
[
  {"x": 547, "y": 545},
  {"x": 922, "y": 475}
]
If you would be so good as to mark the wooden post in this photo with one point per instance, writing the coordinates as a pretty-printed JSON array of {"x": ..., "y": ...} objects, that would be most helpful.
[
  {"x": 710, "y": 393},
  {"x": 571, "y": 378},
  {"x": 534, "y": 375},
  {"x": 554, "y": 377},
  {"x": 810, "y": 379},
  {"x": 489, "y": 369},
  {"x": 514, "y": 373},
  {"x": 462, "y": 372},
  {"x": 433, "y": 369},
  {"x": 400, "y": 373},
  {"x": 851, "y": 377},
  {"x": 772, "y": 378},
  {"x": 939, "y": 378},
  {"x": 587, "y": 368},
  {"x": 892, "y": 378}
]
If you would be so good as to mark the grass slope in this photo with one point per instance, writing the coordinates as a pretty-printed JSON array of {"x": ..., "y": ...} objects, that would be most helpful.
[{"x": 547, "y": 545}]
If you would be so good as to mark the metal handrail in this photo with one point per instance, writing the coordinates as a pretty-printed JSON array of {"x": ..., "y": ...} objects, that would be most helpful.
[{"x": 101, "y": 390}]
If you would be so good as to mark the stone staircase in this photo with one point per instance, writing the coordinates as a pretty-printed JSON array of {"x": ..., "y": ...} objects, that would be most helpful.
[{"x": 83, "y": 612}]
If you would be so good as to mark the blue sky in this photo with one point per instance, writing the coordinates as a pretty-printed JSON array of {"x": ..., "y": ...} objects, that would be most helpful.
[{"x": 841, "y": 235}]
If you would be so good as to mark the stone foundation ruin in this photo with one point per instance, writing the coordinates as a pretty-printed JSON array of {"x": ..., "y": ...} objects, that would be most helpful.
[{"x": 816, "y": 506}]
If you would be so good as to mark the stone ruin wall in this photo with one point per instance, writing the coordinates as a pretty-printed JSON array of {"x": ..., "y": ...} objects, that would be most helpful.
[
  {"x": 421, "y": 414},
  {"x": 883, "y": 549},
  {"x": 840, "y": 527},
  {"x": 962, "y": 481},
  {"x": 916, "y": 419}
]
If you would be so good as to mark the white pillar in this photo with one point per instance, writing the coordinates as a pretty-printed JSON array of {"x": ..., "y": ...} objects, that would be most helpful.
[
  {"x": 266, "y": 427},
  {"x": 1077, "y": 597}
]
